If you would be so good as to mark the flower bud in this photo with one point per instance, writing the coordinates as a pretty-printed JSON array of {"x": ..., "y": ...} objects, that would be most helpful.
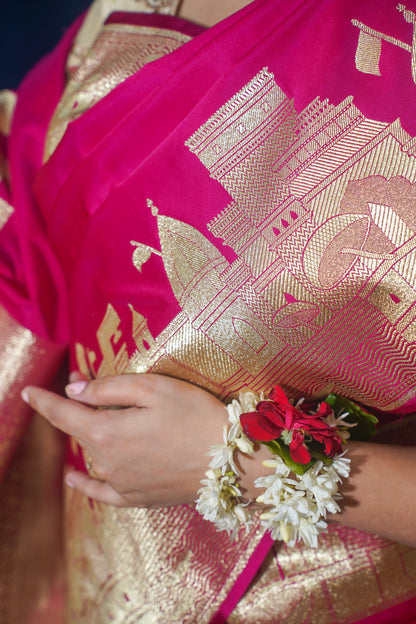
[
  {"x": 271, "y": 463},
  {"x": 244, "y": 445},
  {"x": 240, "y": 512},
  {"x": 212, "y": 474},
  {"x": 285, "y": 532}
]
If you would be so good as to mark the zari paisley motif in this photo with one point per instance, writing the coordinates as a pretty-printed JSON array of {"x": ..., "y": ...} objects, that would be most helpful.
[{"x": 322, "y": 226}]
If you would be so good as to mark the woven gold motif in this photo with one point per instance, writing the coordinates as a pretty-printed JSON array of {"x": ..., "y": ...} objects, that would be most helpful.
[
  {"x": 368, "y": 53},
  {"x": 322, "y": 225},
  {"x": 8, "y": 100},
  {"x": 131, "y": 566},
  {"x": 97, "y": 15},
  {"x": 119, "y": 51},
  {"x": 21, "y": 351},
  {"x": 323, "y": 230},
  {"x": 31, "y": 518},
  {"x": 348, "y": 577}
]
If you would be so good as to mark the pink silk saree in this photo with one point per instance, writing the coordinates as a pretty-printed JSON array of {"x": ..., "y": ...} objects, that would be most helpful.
[{"x": 232, "y": 207}]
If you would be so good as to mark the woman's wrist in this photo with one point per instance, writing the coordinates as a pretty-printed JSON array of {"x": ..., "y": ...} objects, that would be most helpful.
[{"x": 251, "y": 467}]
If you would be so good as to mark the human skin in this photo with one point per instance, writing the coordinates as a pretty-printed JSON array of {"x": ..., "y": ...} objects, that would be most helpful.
[{"x": 153, "y": 452}]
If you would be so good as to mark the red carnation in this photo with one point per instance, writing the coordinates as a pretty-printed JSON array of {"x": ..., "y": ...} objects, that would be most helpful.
[{"x": 277, "y": 415}]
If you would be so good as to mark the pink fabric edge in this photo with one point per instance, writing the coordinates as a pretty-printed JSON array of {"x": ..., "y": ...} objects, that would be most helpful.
[
  {"x": 243, "y": 581},
  {"x": 403, "y": 613}
]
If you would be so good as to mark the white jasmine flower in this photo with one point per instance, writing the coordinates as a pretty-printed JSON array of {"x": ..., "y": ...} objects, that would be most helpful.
[
  {"x": 270, "y": 463},
  {"x": 245, "y": 445},
  {"x": 236, "y": 437},
  {"x": 287, "y": 532},
  {"x": 241, "y": 514},
  {"x": 296, "y": 508},
  {"x": 222, "y": 455},
  {"x": 295, "y": 505},
  {"x": 249, "y": 400},
  {"x": 308, "y": 532},
  {"x": 219, "y": 501},
  {"x": 338, "y": 423},
  {"x": 342, "y": 465}
]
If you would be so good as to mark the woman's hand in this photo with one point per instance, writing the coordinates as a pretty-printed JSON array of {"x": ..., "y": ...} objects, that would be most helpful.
[
  {"x": 151, "y": 453},
  {"x": 154, "y": 452}
]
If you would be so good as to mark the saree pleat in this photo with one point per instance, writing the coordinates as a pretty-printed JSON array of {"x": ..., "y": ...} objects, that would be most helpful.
[{"x": 31, "y": 544}]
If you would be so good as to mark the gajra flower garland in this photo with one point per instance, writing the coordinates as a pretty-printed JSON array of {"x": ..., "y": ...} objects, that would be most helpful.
[{"x": 306, "y": 441}]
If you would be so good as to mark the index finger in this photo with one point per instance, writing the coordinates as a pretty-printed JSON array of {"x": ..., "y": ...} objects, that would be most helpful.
[
  {"x": 120, "y": 390},
  {"x": 69, "y": 416}
]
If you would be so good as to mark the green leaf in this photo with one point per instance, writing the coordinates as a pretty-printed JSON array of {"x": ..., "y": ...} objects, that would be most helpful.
[
  {"x": 282, "y": 450},
  {"x": 365, "y": 422},
  {"x": 318, "y": 454}
]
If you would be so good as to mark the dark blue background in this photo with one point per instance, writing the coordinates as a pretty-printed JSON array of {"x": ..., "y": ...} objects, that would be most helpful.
[{"x": 28, "y": 30}]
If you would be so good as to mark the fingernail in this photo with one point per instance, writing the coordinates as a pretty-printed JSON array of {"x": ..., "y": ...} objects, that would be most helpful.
[
  {"x": 76, "y": 388},
  {"x": 70, "y": 483},
  {"x": 25, "y": 395}
]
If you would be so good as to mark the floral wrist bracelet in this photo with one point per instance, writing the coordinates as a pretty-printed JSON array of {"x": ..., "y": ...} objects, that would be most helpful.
[
  {"x": 220, "y": 499},
  {"x": 309, "y": 463}
]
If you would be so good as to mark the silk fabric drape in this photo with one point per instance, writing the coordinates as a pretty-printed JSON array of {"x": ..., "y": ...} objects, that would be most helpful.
[{"x": 238, "y": 210}]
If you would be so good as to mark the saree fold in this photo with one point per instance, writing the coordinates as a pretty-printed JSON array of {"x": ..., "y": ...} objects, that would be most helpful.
[
  {"x": 26, "y": 357},
  {"x": 232, "y": 207},
  {"x": 31, "y": 565},
  {"x": 31, "y": 352}
]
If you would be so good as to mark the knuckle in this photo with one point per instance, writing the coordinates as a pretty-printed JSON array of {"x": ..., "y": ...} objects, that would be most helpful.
[
  {"x": 101, "y": 471},
  {"x": 98, "y": 436},
  {"x": 101, "y": 391},
  {"x": 147, "y": 385},
  {"x": 95, "y": 389}
]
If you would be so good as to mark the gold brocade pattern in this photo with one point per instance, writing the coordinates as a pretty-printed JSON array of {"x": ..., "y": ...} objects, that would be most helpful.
[
  {"x": 97, "y": 15},
  {"x": 316, "y": 586},
  {"x": 119, "y": 51},
  {"x": 8, "y": 100},
  {"x": 30, "y": 503},
  {"x": 322, "y": 225},
  {"x": 31, "y": 530},
  {"x": 131, "y": 566},
  {"x": 368, "y": 53},
  {"x": 22, "y": 351}
]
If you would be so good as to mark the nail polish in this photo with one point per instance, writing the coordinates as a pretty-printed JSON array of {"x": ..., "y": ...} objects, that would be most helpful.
[{"x": 76, "y": 387}]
